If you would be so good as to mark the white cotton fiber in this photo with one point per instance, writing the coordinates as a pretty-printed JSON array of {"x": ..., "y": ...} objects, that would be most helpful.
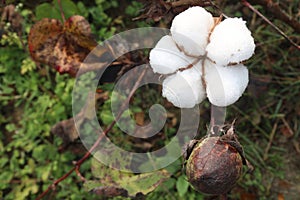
[
  {"x": 184, "y": 89},
  {"x": 190, "y": 30},
  {"x": 165, "y": 57},
  {"x": 225, "y": 85},
  {"x": 230, "y": 42}
]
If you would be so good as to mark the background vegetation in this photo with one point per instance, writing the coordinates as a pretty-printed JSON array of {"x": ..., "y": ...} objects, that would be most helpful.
[{"x": 34, "y": 97}]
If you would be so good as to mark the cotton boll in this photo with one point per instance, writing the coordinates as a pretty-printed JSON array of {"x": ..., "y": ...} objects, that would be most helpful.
[
  {"x": 190, "y": 30},
  {"x": 165, "y": 57},
  {"x": 184, "y": 89},
  {"x": 225, "y": 85},
  {"x": 230, "y": 42}
]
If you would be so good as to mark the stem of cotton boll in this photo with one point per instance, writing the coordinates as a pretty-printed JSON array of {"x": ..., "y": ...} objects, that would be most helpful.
[
  {"x": 217, "y": 119},
  {"x": 203, "y": 72}
]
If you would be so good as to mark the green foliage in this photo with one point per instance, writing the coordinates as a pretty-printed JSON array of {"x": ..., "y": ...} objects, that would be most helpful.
[
  {"x": 32, "y": 104},
  {"x": 52, "y": 10},
  {"x": 33, "y": 98},
  {"x": 182, "y": 185}
]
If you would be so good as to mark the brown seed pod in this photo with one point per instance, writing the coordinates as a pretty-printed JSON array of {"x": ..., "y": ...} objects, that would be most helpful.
[{"x": 215, "y": 165}]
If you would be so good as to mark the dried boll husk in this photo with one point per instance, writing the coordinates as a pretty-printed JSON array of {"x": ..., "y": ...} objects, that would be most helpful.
[{"x": 214, "y": 166}]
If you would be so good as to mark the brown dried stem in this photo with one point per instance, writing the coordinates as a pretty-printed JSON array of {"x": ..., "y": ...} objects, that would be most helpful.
[
  {"x": 247, "y": 4},
  {"x": 101, "y": 136},
  {"x": 278, "y": 13},
  {"x": 181, "y": 3}
]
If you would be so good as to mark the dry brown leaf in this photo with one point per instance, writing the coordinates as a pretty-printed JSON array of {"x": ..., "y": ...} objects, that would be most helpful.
[{"x": 62, "y": 46}]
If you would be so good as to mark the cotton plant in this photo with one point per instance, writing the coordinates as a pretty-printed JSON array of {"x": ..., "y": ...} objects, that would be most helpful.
[{"x": 202, "y": 57}]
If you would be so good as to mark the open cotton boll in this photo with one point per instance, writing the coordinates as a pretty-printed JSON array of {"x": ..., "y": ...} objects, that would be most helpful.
[
  {"x": 184, "y": 89},
  {"x": 165, "y": 57},
  {"x": 230, "y": 42},
  {"x": 225, "y": 85},
  {"x": 190, "y": 30}
]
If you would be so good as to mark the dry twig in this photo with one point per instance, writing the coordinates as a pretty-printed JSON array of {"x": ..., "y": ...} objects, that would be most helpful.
[{"x": 247, "y": 4}]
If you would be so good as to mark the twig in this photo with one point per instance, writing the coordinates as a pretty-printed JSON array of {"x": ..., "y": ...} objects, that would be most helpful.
[
  {"x": 101, "y": 136},
  {"x": 277, "y": 12},
  {"x": 291, "y": 132},
  {"x": 270, "y": 141},
  {"x": 190, "y": 3},
  {"x": 247, "y": 4},
  {"x": 79, "y": 174}
]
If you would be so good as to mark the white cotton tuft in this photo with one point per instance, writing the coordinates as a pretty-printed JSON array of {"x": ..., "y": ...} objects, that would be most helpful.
[
  {"x": 225, "y": 85},
  {"x": 230, "y": 42},
  {"x": 184, "y": 89},
  {"x": 165, "y": 57},
  {"x": 190, "y": 30}
]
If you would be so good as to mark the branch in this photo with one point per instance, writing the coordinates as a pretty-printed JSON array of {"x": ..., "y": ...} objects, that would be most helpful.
[
  {"x": 101, "y": 136},
  {"x": 247, "y": 4},
  {"x": 277, "y": 12},
  {"x": 189, "y": 3}
]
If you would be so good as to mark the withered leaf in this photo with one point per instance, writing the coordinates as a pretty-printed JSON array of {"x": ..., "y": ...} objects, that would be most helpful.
[
  {"x": 110, "y": 191},
  {"x": 110, "y": 182},
  {"x": 62, "y": 46}
]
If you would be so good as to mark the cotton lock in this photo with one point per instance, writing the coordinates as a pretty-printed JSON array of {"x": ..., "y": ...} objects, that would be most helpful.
[
  {"x": 230, "y": 42},
  {"x": 225, "y": 85},
  {"x": 190, "y": 30},
  {"x": 166, "y": 58},
  {"x": 184, "y": 89}
]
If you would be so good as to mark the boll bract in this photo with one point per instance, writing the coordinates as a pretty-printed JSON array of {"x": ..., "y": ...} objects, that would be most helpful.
[{"x": 202, "y": 50}]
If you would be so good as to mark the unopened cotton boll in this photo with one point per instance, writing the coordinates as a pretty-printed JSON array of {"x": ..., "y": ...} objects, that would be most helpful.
[
  {"x": 184, "y": 89},
  {"x": 190, "y": 30},
  {"x": 166, "y": 58},
  {"x": 225, "y": 85},
  {"x": 230, "y": 42}
]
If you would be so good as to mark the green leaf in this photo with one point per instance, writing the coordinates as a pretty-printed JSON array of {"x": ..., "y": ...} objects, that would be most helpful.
[
  {"x": 46, "y": 10},
  {"x": 69, "y": 8},
  {"x": 10, "y": 127},
  {"x": 182, "y": 185},
  {"x": 5, "y": 178},
  {"x": 82, "y": 9}
]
